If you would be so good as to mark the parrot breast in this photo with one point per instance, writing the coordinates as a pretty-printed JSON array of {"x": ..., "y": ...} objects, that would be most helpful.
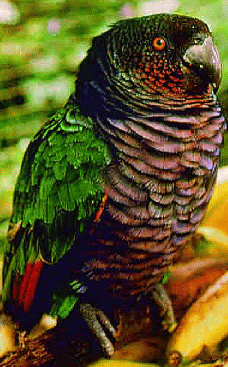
[{"x": 159, "y": 184}]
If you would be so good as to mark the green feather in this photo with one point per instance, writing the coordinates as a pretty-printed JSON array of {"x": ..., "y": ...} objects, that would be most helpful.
[
  {"x": 62, "y": 306},
  {"x": 64, "y": 302},
  {"x": 60, "y": 182}
]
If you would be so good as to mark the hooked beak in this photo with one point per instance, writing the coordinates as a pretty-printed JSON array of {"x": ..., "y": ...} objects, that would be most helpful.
[{"x": 204, "y": 60}]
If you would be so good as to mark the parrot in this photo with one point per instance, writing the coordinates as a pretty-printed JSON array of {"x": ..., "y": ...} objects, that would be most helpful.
[{"x": 115, "y": 184}]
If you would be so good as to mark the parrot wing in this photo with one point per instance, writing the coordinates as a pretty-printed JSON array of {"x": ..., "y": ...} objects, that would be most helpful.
[{"x": 57, "y": 194}]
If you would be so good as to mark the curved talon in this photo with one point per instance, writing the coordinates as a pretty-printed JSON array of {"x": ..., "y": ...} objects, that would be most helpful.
[
  {"x": 163, "y": 301},
  {"x": 98, "y": 323}
]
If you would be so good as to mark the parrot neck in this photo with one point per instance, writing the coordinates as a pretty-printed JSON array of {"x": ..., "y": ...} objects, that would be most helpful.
[{"x": 121, "y": 102}]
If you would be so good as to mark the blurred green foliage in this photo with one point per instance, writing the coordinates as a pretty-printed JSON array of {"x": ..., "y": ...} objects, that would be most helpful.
[{"x": 41, "y": 44}]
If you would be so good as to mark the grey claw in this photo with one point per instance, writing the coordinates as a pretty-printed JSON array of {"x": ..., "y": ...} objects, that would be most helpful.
[
  {"x": 163, "y": 301},
  {"x": 97, "y": 321}
]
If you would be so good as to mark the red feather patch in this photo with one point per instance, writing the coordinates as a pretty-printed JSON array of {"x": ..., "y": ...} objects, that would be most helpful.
[{"x": 24, "y": 287}]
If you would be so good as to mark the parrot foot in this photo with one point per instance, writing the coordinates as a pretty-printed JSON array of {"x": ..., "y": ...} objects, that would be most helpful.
[
  {"x": 100, "y": 325},
  {"x": 164, "y": 304}
]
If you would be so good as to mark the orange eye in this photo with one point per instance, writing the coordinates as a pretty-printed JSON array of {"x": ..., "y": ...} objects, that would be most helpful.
[{"x": 159, "y": 43}]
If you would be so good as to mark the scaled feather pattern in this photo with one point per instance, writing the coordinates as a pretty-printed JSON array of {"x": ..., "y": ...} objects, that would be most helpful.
[{"x": 119, "y": 180}]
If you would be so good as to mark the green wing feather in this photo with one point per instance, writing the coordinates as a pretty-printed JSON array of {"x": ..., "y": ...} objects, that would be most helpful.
[{"x": 58, "y": 191}]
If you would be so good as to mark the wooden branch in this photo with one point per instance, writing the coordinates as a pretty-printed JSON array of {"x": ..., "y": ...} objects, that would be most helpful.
[
  {"x": 45, "y": 351},
  {"x": 34, "y": 353}
]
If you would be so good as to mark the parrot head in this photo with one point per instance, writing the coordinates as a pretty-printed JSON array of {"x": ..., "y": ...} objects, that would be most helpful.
[{"x": 166, "y": 55}]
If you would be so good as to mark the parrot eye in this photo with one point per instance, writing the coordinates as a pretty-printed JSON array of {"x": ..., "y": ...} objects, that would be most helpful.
[{"x": 159, "y": 43}]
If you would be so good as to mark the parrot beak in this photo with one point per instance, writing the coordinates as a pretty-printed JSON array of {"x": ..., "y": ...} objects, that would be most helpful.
[{"x": 204, "y": 60}]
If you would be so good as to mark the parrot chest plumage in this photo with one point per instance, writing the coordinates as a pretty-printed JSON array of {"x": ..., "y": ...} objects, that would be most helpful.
[{"x": 159, "y": 183}]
